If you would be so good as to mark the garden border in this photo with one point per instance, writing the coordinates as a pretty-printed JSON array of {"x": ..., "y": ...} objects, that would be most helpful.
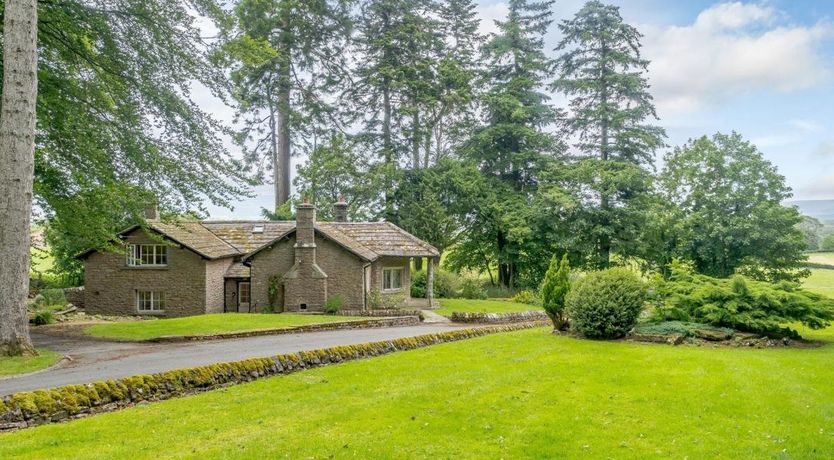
[{"x": 33, "y": 408}]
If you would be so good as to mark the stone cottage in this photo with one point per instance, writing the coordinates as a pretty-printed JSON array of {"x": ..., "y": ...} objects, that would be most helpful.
[{"x": 193, "y": 267}]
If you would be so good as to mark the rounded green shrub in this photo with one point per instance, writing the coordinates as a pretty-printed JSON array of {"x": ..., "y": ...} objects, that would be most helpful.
[
  {"x": 606, "y": 304},
  {"x": 471, "y": 288},
  {"x": 526, "y": 296},
  {"x": 333, "y": 304}
]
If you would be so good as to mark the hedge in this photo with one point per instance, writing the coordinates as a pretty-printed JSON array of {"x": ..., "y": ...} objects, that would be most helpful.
[{"x": 32, "y": 408}]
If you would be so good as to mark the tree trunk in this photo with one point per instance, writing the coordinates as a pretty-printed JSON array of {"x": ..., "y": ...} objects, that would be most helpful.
[
  {"x": 281, "y": 168},
  {"x": 17, "y": 147},
  {"x": 415, "y": 138},
  {"x": 418, "y": 264},
  {"x": 605, "y": 206}
]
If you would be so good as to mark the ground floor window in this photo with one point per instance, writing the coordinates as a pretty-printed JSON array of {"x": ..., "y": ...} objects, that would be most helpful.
[
  {"x": 392, "y": 279},
  {"x": 150, "y": 301}
]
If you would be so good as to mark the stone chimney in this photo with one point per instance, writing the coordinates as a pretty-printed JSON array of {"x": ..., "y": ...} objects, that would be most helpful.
[
  {"x": 305, "y": 285},
  {"x": 152, "y": 212},
  {"x": 340, "y": 210}
]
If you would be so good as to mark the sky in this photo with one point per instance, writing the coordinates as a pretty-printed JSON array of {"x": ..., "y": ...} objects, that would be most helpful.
[{"x": 764, "y": 69}]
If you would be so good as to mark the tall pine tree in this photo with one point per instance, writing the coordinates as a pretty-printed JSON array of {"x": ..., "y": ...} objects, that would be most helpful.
[
  {"x": 512, "y": 148},
  {"x": 287, "y": 57},
  {"x": 603, "y": 73}
]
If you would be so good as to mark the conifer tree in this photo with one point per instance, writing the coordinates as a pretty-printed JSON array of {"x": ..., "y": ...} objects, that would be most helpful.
[
  {"x": 287, "y": 57},
  {"x": 512, "y": 147},
  {"x": 554, "y": 290},
  {"x": 603, "y": 73}
]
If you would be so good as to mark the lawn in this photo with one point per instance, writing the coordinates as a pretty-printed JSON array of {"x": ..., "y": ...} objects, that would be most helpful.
[
  {"x": 821, "y": 258},
  {"x": 15, "y": 366},
  {"x": 447, "y": 306},
  {"x": 525, "y": 394},
  {"x": 207, "y": 324},
  {"x": 821, "y": 281}
]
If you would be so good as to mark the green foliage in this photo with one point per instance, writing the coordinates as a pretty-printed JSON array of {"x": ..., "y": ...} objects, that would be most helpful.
[
  {"x": 377, "y": 300},
  {"x": 728, "y": 211},
  {"x": 828, "y": 243},
  {"x": 446, "y": 284},
  {"x": 336, "y": 170},
  {"x": 600, "y": 68},
  {"x": 740, "y": 303},
  {"x": 526, "y": 296},
  {"x": 117, "y": 122},
  {"x": 276, "y": 284},
  {"x": 606, "y": 304},
  {"x": 333, "y": 304},
  {"x": 50, "y": 298},
  {"x": 471, "y": 288},
  {"x": 43, "y": 317},
  {"x": 811, "y": 229},
  {"x": 685, "y": 329},
  {"x": 555, "y": 289},
  {"x": 513, "y": 151}
]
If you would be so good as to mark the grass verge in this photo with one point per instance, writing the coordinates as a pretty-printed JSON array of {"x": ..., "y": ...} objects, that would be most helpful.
[
  {"x": 448, "y": 306},
  {"x": 525, "y": 394},
  {"x": 207, "y": 324},
  {"x": 19, "y": 365}
]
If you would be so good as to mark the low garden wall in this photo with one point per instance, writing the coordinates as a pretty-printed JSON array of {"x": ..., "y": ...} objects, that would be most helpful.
[
  {"x": 387, "y": 312},
  {"x": 499, "y": 318},
  {"x": 75, "y": 296},
  {"x": 32, "y": 408},
  {"x": 343, "y": 325}
]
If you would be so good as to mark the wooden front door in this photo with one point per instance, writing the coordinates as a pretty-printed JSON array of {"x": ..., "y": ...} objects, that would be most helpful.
[{"x": 244, "y": 294}]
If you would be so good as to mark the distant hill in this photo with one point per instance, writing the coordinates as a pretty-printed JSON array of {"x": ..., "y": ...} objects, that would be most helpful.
[{"x": 820, "y": 209}]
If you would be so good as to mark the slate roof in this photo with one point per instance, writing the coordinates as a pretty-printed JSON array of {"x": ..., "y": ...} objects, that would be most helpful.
[{"x": 227, "y": 238}]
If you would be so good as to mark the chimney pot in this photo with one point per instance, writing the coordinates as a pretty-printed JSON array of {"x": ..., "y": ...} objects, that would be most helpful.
[
  {"x": 151, "y": 212},
  {"x": 340, "y": 210}
]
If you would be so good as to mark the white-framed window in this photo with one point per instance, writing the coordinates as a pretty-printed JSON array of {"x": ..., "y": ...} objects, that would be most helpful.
[
  {"x": 150, "y": 301},
  {"x": 147, "y": 255},
  {"x": 392, "y": 279}
]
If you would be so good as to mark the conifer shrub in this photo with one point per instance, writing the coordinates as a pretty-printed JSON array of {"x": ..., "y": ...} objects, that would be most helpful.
[
  {"x": 739, "y": 303},
  {"x": 606, "y": 304},
  {"x": 554, "y": 291}
]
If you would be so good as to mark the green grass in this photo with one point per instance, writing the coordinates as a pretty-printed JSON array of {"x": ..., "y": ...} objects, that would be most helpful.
[
  {"x": 447, "y": 306},
  {"x": 15, "y": 366},
  {"x": 206, "y": 324},
  {"x": 525, "y": 394},
  {"x": 820, "y": 281},
  {"x": 821, "y": 258}
]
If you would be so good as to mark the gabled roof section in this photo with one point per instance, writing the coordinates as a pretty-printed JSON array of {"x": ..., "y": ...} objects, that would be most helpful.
[
  {"x": 384, "y": 238},
  {"x": 345, "y": 241},
  {"x": 243, "y": 236},
  {"x": 196, "y": 237}
]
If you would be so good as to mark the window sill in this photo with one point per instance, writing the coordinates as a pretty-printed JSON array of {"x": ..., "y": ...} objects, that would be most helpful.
[
  {"x": 145, "y": 267},
  {"x": 150, "y": 312},
  {"x": 392, "y": 291}
]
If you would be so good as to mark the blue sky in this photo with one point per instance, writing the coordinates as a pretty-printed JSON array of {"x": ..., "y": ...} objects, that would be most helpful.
[{"x": 762, "y": 68}]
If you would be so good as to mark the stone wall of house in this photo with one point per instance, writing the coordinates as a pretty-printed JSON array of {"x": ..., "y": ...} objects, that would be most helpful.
[
  {"x": 390, "y": 262},
  {"x": 110, "y": 285},
  {"x": 343, "y": 268},
  {"x": 272, "y": 261},
  {"x": 215, "y": 298},
  {"x": 75, "y": 296}
]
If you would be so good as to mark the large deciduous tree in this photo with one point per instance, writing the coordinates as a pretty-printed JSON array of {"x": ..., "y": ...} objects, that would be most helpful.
[
  {"x": 287, "y": 57},
  {"x": 603, "y": 73},
  {"x": 117, "y": 121},
  {"x": 17, "y": 146},
  {"x": 731, "y": 217}
]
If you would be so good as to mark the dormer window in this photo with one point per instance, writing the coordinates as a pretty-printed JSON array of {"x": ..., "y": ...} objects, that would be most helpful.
[
  {"x": 147, "y": 255},
  {"x": 258, "y": 229}
]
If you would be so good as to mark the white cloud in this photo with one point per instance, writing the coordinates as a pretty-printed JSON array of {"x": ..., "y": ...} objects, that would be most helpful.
[
  {"x": 805, "y": 126},
  {"x": 488, "y": 14},
  {"x": 733, "y": 48},
  {"x": 821, "y": 188}
]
